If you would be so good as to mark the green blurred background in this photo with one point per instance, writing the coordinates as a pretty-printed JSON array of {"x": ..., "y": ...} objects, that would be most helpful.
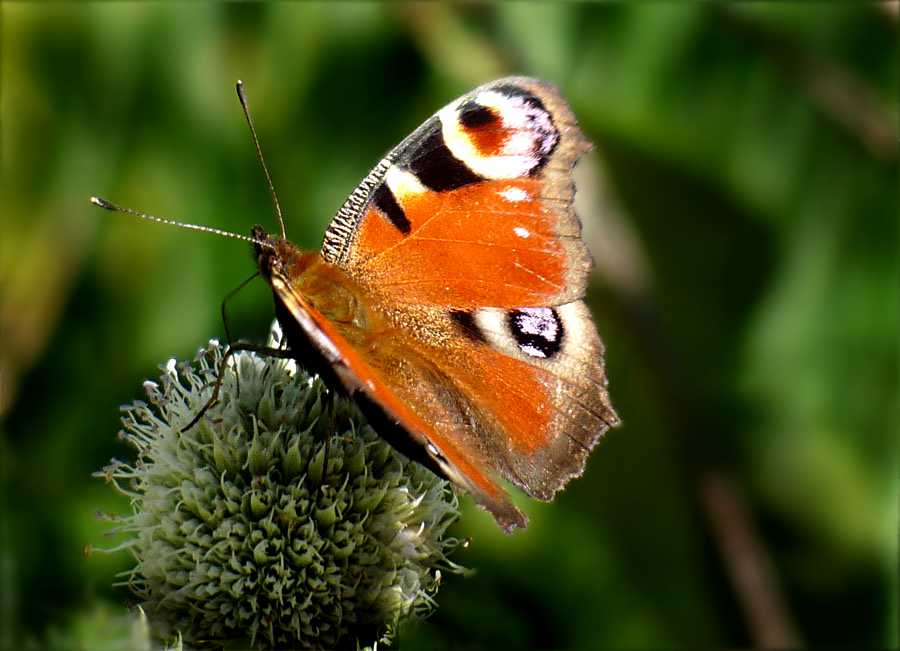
[{"x": 742, "y": 208}]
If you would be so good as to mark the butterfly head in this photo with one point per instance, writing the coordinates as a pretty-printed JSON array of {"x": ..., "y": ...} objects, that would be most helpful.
[{"x": 277, "y": 256}]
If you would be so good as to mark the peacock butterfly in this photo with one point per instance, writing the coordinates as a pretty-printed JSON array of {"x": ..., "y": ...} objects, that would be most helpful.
[{"x": 447, "y": 297}]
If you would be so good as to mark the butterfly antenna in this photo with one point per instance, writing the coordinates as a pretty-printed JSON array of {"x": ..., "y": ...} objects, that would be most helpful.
[
  {"x": 243, "y": 98},
  {"x": 103, "y": 203}
]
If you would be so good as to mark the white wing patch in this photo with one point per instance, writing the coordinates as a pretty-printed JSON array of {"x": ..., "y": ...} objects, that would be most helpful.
[{"x": 515, "y": 195}]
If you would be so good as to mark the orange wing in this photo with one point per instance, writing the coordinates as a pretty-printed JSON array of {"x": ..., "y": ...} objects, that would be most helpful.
[{"x": 474, "y": 208}]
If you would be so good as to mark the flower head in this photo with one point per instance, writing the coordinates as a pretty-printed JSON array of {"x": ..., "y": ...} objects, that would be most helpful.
[{"x": 280, "y": 518}]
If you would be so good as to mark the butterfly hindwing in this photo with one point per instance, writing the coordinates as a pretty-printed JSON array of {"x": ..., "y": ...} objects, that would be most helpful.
[{"x": 372, "y": 365}]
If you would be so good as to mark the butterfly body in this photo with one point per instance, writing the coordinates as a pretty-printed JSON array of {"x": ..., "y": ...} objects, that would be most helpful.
[{"x": 446, "y": 298}]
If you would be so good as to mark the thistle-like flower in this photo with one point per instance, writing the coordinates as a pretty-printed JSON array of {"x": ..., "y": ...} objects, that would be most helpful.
[{"x": 280, "y": 519}]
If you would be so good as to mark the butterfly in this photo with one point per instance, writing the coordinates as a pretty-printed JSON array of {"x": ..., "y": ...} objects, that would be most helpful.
[{"x": 447, "y": 298}]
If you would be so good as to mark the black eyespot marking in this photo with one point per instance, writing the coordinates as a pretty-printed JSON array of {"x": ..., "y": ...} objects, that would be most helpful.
[
  {"x": 437, "y": 168},
  {"x": 386, "y": 202},
  {"x": 473, "y": 115},
  {"x": 537, "y": 330},
  {"x": 465, "y": 322}
]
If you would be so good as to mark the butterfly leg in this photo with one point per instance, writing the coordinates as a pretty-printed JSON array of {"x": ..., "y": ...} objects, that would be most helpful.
[{"x": 265, "y": 351}]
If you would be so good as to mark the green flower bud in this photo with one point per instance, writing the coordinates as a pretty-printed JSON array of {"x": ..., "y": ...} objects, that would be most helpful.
[{"x": 281, "y": 519}]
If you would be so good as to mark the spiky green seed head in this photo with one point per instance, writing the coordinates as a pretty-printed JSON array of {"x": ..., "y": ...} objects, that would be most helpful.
[{"x": 281, "y": 519}]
